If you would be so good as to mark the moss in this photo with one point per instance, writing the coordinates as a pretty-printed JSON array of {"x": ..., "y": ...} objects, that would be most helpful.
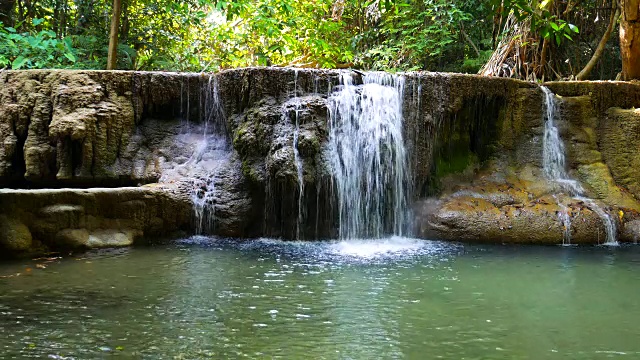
[
  {"x": 619, "y": 138},
  {"x": 15, "y": 236},
  {"x": 598, "y": 179},
  {"x": 251, "y": 170},
  {"x": 455, "y": 163}
]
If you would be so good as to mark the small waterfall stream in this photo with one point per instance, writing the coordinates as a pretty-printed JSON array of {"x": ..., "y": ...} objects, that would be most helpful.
[
  {"x": 209, "y": 156},
  {"x": 296, "y": 154},
  {"x": 368, "y": 156},
  {"x": 554, "y": 167}
]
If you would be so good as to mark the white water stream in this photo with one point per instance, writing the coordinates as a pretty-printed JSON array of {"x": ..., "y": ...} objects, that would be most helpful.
[
  {"x": 210, "y": 154},
  {"x": 554, "y": 167},
  {"x": 368, "y": 156},
  {"x": 296, "y": 154}
]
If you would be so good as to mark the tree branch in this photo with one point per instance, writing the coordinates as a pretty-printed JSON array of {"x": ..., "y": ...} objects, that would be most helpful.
[
  {"x": 584, "y": 73},
  {"x": 466, "y": 37}
]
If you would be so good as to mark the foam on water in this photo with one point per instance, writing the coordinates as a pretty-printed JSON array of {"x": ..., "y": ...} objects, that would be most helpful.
[
  {"x": 367, "y": 249},
  {"x": 360, "y": 251}
]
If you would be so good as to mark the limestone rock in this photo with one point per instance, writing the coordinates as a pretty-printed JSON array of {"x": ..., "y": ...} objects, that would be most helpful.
[
  {"x": 475, "y": 145},
  {"x": 72, "y": 239},
  {"x": 15, "y": 236},
  {"x": 620, "y": 144},
  {"x": 96, "y": 239},
  {"x": 89, "y": 218},
  {"x": 534, "y": 222}
]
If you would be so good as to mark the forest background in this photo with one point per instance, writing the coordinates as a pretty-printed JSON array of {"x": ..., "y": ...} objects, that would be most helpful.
[{"x": 527, "y": 39}]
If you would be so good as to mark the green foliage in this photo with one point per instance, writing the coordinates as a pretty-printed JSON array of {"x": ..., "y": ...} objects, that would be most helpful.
[
  {"x": 275, "y": 32},
  {"x": 208, "y": 35},
  {"x": 201, "y": 35},
  {"x": 35, "y": 49},
  {"x": 543, "y": 20},
  {"x": 471, "y": 65},
  {"x": 413, "y": 34}
]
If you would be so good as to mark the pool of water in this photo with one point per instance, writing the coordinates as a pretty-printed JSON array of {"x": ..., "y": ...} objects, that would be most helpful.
[{"x": 386, "y": 299}]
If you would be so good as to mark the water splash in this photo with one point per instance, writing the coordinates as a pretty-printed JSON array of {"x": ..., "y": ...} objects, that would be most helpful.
[
  {"x": 354, "y": 251},
  {"x": 609, "y": 224},
  {"x": 564, "y": 216},
  {"x": 554, "y": 167},
  {"x": 368, "y": 157},
  {"x": 394, "y": 246}
]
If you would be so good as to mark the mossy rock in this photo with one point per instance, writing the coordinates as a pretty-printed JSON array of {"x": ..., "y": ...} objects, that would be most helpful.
[
  {"x": 620, "y": 146},
  {"x": 14, "y": 235},
  {"x": 597, "y": 179}
]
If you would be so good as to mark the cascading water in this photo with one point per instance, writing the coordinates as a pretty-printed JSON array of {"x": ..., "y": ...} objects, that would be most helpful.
[
  {"x": 554, "y": 167},
  {"x": 368, "y": 156},
  {"x": 210, "y": 154},
  {"x": 296, "y": 154}
]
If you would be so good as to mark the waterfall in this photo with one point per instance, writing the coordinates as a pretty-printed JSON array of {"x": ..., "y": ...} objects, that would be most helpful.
[
  {"x": 210, "y": 147},
  {"x": 368, "y": 156},
  {"x": 296, "y": 155},
  {"x": 554, "y": 167},
  {"x": 210, "y": 158}
]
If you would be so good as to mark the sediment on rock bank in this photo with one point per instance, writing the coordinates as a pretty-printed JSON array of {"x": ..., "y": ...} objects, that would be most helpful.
[
  {"x": 474, "y": 145},
  {"x": 76, "y": 219}
]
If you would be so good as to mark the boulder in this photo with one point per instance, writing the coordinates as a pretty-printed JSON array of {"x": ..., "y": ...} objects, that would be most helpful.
[
  {"x": 78, "y": 239},
  {"x": 15, "y": 236},
  {"x": 55, "y": 219}
]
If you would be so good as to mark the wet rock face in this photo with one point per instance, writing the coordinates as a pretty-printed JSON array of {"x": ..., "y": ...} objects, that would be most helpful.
[
  {"x": 507, "y": 198},
  {"x": 492, "y": 212},
  {"x": 475, "y": 148},
  {"x": 72, "y": 219},
  {"x": 79, "y": 128},
  {"x": 620, "y": 134},
  {"x": 266, "y": 137}
]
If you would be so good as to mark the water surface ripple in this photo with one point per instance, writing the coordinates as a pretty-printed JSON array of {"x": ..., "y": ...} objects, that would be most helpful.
[{"x": 393, "y": 298}]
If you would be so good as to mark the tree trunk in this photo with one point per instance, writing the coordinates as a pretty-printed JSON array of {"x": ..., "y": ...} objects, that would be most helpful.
[
  {"x": 584, "y": 74},
  {"x": 112, "y": 58},
  {"x": 124, "y": 23},
  {"x": 630, "y": 39},
  {"x": 6, "y": 10}
]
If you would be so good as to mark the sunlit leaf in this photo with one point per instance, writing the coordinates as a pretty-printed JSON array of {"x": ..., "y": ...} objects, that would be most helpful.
[{"x": 18, "y": 62}]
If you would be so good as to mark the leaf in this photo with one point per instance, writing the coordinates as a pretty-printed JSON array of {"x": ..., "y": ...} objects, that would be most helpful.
[
  {"x": 37, "y": 21},
  {"x": 544, "y": 32},
  {"x": 554, "y": 26},
  {"x": 18, "y": 62},
  {"x": 70, "y": 56},
  {"x": 544, "y": 3},
  {"x": 574, "y": 28}
]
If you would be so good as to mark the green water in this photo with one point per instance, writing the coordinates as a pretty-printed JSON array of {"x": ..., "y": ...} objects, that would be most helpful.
[{"x": 392, "y": 299}]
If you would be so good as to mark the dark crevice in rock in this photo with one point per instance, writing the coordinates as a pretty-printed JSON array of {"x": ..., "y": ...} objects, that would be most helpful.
[
  {"x": 78, "y": 158},
  {"x": 464, "y": 139}
]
